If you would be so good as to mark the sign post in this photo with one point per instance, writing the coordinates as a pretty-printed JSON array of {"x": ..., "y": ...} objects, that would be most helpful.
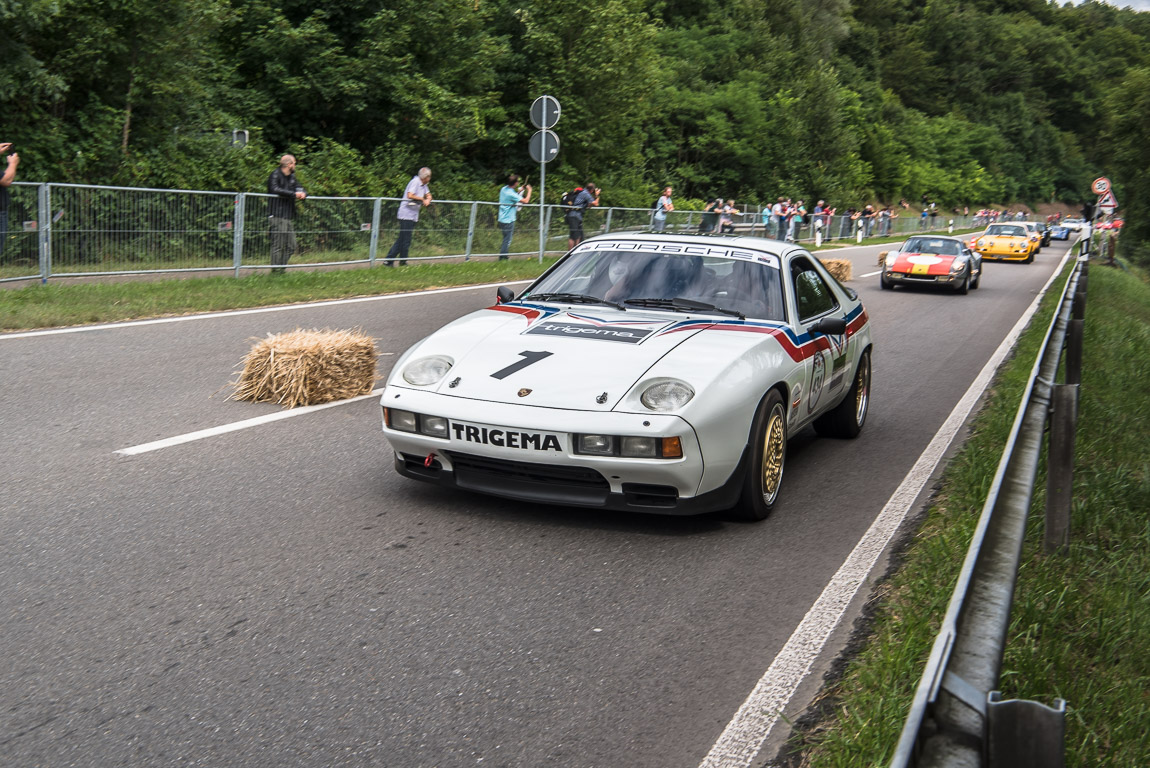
[{"x": 543, "y": 147}]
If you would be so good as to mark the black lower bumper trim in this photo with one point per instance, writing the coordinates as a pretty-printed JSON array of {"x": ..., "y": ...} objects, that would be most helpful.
[{"x": 565, "y": 485}]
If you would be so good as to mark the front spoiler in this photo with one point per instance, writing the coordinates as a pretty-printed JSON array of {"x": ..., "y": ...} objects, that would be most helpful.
[{"x": 517, "y": 480}]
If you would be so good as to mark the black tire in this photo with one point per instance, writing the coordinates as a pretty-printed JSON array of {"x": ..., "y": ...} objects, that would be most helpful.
[
  {"x": 964, "y": 287},
  {"x": 849, "y": 416},
  {"x": 885, "y": 285},
  {"x": 768, "y": 454},
  {"x": 977, "y": 280}
]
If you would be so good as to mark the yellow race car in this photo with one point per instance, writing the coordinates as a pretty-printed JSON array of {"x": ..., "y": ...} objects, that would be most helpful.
[{"x": 1009, "y": 242}]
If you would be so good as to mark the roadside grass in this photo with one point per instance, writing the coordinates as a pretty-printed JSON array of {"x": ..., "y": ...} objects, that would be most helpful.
[
  {"x": 62, "y": 304},
  {"x": 1080, "y": 621}
]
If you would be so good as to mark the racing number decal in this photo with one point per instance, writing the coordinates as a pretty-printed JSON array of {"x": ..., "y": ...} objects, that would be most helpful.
[
  {"x": 818, "y": 374},
  {"x": 528, "y": 359}
]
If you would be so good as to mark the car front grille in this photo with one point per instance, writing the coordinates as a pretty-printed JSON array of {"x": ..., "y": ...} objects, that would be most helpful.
[{"x": 485, "y": 473}]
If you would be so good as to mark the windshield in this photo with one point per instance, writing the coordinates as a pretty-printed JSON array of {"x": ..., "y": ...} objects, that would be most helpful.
[
  {"x": 1007, "y": 230},
  {"x": 665, "y": 281},
  {"x": 937, "y": 245}
]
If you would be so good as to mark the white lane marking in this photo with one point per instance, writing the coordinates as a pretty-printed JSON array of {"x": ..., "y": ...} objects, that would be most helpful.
[
  {"x": 871, "y": 274},
  {"x": 257, "y": 311},
  {"x": 748, "y": 730},
  {"x": 168, "y": 442}
]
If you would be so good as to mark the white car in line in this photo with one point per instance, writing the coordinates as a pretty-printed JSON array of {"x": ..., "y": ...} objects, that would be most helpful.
[{"x": 643, "y": 372}]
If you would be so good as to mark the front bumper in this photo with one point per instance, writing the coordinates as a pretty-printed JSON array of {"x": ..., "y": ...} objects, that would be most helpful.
[
  {"x": 539, "y": 464},
  {"x": 907, "y": 278},
  {"x": 1005, "y": 255}
]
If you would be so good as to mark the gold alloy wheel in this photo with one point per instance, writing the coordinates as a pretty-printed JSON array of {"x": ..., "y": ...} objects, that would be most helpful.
[
  {"x": 774, "y": 449},
  {"x": 862, "y": 392}
]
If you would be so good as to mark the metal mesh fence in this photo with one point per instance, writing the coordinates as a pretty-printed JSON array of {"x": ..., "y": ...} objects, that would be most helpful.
[{"x": 73, "y": 230}]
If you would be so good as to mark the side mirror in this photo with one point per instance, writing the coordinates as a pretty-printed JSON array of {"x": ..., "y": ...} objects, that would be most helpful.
[
  {"x": 831, "y": 326},
  {"x": 503, "y": 295}
]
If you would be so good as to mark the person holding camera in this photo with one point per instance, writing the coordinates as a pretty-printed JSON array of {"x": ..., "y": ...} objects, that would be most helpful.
[
  {"x": 510, "y": 198},
  {"x": 577, "y": 201},
  {"x": 286, "y": 189},
  {"x": 415, "y": 196},
  {"x": 5, "y": 180}
]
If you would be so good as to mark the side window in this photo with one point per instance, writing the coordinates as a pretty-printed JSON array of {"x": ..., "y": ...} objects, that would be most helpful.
[{"x": 813, "y": 295}]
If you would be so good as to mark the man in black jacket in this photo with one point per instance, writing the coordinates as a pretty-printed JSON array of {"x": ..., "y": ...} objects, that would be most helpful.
[{"x": 281, "y": 210}]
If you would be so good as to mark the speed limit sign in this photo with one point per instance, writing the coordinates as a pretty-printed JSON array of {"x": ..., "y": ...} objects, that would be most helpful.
[{"x": 1101, "y": 185}]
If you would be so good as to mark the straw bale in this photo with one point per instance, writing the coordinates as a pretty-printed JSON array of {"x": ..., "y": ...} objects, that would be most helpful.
[
  {"x": 840, "y": 268},
  {"x": 308, "y": 367}
]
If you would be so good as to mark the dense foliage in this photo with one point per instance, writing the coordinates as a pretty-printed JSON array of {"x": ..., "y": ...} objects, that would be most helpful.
[{"x": 968, "y": 102}]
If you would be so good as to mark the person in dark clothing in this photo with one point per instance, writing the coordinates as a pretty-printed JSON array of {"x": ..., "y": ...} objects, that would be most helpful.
[
  {"x": 710, "y": 218},
  {"x": 6, "y": 178},
  {"x": 281, "y": 210}
]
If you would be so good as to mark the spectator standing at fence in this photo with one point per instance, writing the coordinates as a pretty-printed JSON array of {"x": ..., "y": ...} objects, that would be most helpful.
[
  {"x": 510, "y": 198},
  {"x": 795, "y": 216},
  {"x": 664, "y": 206},
  {"x": 415, "y": 197},
  {"x": 784, "y": 207},
  {"x": 726, "y": 219},
  {"x": 868, "y": 216},
  {"x": 710, "y": 217},
  {"x": 6, "y": 180},
  {"x": 817, "y": 218},
  {"x": 845, "y": 224},
  {"x": 577, "y": 201},
  {"x": 286, "y": 189}
]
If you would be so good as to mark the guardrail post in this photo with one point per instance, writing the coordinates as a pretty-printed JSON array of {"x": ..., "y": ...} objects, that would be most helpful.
[
  {"x": 44, "y": 236},
  {"x": 373, "y": 246},
  {"x": 238, "y": 232},
  {"x": 1025, "y": 734},
  {"x": 1074, "y": 334},
  {"x": 1060, "y": 467},
  {"x": 470, "y": 231}
]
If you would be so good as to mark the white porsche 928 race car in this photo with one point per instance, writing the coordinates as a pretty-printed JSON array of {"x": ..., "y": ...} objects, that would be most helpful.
[{"x": 648, "y": 373}]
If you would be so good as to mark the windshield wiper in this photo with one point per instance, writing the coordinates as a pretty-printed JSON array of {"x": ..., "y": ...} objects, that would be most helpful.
[
  {"x": 575, "y": 298},
  {"x": 679, "y": 304}
]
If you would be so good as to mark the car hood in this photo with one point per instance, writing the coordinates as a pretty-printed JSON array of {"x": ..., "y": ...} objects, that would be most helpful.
[
  {"x": 537, "y": 355},
  {"x": 923, "y": 263},
  {"x": 1005, "y": 241}
]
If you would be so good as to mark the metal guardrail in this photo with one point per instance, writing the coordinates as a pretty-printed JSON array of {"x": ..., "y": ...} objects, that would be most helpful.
[
  {"x": 957, "y": 717},
  {"x": 74, "y": 230}
]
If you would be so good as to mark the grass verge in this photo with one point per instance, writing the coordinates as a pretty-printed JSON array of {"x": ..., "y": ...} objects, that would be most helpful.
[
  {"x": 1080, "y": 622},
  {"x": 60, "y": 304}
]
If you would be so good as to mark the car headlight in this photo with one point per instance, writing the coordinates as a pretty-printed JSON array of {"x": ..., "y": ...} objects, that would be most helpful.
[
  {"x": 420, "y": 423},
  {"x": 890, "y": 260},
  {"x": 427, "y": 370},
  {"x": 957, "y": 266},
  {"x": 596, "y": 445},
  {"x": 666, "y": 395},
  {"x": 982, "y": 243}
]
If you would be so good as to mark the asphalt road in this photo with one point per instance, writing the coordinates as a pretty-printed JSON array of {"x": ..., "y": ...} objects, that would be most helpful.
[{"x": 278, "y": 596}]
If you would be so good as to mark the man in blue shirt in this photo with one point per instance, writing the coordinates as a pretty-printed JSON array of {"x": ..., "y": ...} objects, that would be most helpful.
[{"x": 510, "y": 198}]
